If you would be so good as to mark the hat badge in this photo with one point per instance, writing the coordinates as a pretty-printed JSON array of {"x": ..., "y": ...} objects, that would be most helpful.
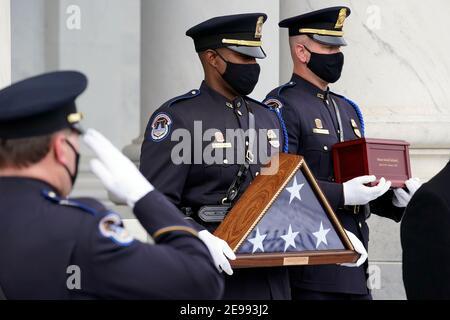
[
  {"x": 259, "y": 27},
  {"x": 341, "y": 18},
  {"x": 75, "y": 117}
]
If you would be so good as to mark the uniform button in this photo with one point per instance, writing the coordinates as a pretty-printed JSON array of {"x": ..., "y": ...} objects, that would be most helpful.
[
  {"x": 52, "y": 194},
  {"x": 225, "y": 161},
  {"x": 257, "y": 174},
  {"x": 246, "y": 143},
  {"x": 325, "y": 148},
  {"x": 360, "y": 225},
  {"x": 194, "y": 92},
  {"x": 239, "y": 113}
]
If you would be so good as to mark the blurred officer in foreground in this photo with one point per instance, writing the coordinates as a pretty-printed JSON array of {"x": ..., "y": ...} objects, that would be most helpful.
[
  {"x": 426, "y": 240},
  {"x": 228, "y": 47},
  {"x": 46, "y": 237},
  {"x": 316, "y": 119}
]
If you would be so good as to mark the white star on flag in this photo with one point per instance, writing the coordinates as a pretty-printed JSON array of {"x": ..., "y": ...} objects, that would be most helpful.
[
  {"x": 321, "y": 235},
  {"x": 295, "y": 190},
  {"x": 257, "y": 241},
  {"x": 289, "y": 239}
]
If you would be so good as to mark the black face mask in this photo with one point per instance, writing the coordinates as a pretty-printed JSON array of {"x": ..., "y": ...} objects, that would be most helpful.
[
  {"x": 73, "y": 177},
  {"x": 327, "y": 67},
  {"x": 242, "y": 78}
]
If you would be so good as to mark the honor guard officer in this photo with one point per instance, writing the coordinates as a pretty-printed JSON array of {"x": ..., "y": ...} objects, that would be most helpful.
[
  {"x": 228, "y": 47},
  {"x": 54, "y": 247},
  {"x": 316, "y": 119}
]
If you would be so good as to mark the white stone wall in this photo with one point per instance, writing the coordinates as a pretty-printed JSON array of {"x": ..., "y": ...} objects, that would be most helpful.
[{"x": 137, "y": 57}]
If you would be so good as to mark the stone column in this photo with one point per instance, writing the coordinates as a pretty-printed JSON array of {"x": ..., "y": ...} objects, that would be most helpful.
[
  {"x": 5, "y": 43},
  {"x": 397, "y": 70}
]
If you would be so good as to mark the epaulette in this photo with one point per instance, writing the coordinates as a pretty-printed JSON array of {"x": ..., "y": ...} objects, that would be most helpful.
[
  {"x": 288, "y": 85},
  {"x": 53, "y": 197},
  {"x": 357, "y": 110},
  {"x": 277, "y": 100},
  {"x": 191, "y": 94},
  {"x": 110, "y": 224}
]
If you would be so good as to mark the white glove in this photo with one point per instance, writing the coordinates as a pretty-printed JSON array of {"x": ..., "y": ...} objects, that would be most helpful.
[
  {"x": 401, "y": 197},
  {"x": 359, "y": 247},
  {"x": 117, "y": 173},
  {"x": 356, "y": 193},
  {"x": 219, "y": 251}
]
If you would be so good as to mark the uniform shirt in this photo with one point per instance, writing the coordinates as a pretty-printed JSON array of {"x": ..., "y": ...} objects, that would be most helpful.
[
  {"x": 313, "y": 129},
  {"x": 197, "y": 183},
  {"x": 42, "y": 236}
]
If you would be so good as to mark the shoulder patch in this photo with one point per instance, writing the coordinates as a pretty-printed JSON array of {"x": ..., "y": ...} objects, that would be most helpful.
[
  {"x": 53, "y": 197},
  {"x": 191, "y": 94},
  {"x": 273, "y": 103},
  {"x": 111, "y": 227},
  {"x": 288, "y": 85},
  {"x": 161, "y": 127}
]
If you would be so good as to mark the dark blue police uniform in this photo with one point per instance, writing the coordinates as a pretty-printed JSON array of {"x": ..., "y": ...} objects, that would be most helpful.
[
  {"x": 316, "y": 120},
  {"x": 59, "y": 248},
  {"x": 42, "y": 236},
  {"x": 195, "y": 183},
  {"x": 312, "y": 127}
]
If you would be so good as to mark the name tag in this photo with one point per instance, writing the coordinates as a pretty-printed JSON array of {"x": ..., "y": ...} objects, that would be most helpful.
[
  {"x": 224, "y": 145},
  {"x": 321, "y": 131}
]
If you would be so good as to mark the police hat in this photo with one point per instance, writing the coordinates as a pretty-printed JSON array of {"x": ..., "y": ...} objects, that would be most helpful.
[
  {"x": 241, "y": 33},
  {"x": 41, "y": 105},
  {"x": 324, "y": 26}
]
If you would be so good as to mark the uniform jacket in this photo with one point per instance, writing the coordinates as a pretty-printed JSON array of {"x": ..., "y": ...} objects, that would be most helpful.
[
  {"x": 196, "y": 183},
  {"x": 312, "y": 128},
  {"x": 43, "y": 237}
]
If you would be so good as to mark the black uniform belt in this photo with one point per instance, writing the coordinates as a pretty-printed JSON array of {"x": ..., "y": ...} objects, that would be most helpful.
[{"x": 208, "y": 214}]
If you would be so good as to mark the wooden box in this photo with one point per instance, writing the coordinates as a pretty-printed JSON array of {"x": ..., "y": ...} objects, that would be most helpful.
[{"x": 381, "y": 158}]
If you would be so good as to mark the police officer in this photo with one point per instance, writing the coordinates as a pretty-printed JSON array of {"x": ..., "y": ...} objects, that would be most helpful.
[
  {"x": 426, "y": 240},
  {"x": 54, "y": 247},
  {"x": 316, "y": 119},
  {"x": 228, "y": 47}
]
